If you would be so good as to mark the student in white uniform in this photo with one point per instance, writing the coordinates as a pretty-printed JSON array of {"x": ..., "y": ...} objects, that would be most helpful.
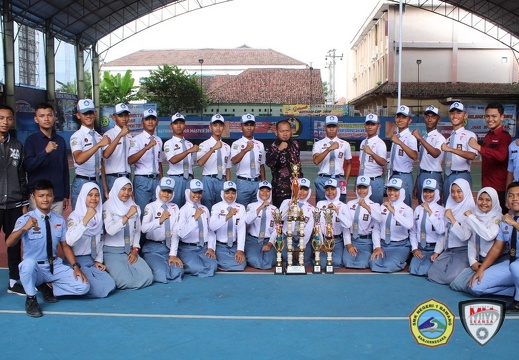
[
  {"x": 484, "y": 222},
  {"x": 450, "y": 255},
  {"x": 330, "y": 154},
  {"x": 390, "y": 255},
  {"x": 428, "y": 227},
  {"x": 341, "y": 221},
  {"x": 84, "y": 235},
  {"x": 373, "y": 158},
  {"x": 121, "y": 244},
  {"x": 197, "y": 242},
  {"x": 364, "y": 213},
  {"x": 304, "y": 194},
  {"x": 116, "y": 154},
  {"x": 228, "y": 223},
  {"x": 180, "y": 154},
  {"x": 159, "y": 224},
  {"x": 259, "y": 251}
]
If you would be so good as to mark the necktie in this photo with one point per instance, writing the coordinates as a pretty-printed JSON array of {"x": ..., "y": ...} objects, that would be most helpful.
[
  {"x": 478, "y": 246},
  {"x": 447, "y": 230},
  {"x": 219, "y": 164},
  {"x": 331, "y": 168},
  {"x": 387, "y": 238},
  {"x": 154, "y": 158},
  {"x": 423, "y": 233},
  {"x": 362, "y": 158},
  {"x": 125, "y": 153},
  {"x": 263, "y": 225},
  {"x": 93, "y": 247},
  {"x": 448, "y": 156},
  {"x": 127, "y": 237},
  {"x": 230, "y": 228},
  {"x": 392, "y": 158},
  {"x": 422, "y": 149},
  {"x": 96, "y": 155},
  {"x": 167, "y": 228},
  {"x": 513, "y": 242},
  {"x": 355, "y": 232},
  {"x": 185, "y": 162},
  {"x": 200, "y": 228},
  {"x": 50, "y": 255},
  {"x": 252, "y": 163}
]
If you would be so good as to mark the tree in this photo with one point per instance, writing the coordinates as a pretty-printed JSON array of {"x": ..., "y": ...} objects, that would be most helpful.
[
  {"x": 116, "y": 89},
  {"x": 71, "y": 86},
  {"x": 173, "y": 90}
]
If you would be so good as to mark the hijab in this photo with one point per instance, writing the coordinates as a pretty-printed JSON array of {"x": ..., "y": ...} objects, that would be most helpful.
[
  {"x": 95, "y": 225},
  {"x": 458, "y": 209},
  {"x": 494, "y": 213},
  {"x": 116, "y": 205}
]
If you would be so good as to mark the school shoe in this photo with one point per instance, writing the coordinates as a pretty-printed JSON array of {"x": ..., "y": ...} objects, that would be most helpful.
[
  {"x": 48, "y": 295},
  {"x": 32, "y": 308},
  {"x": 16, "y": 289},
  {"x": 513, "y": 307}
]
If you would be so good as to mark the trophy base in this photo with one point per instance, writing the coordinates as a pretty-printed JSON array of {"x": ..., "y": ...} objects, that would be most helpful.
[
  {"x": 295, "y": 270},
  {"x": 317, "y": 269},
  {"x": 329, "y": 269},
  {"x": 278, "y": 270}
]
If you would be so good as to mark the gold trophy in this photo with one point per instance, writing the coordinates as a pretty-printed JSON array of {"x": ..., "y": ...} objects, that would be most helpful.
[
  {"x": 329, "y": 241},
  {"x": 278, "y": 244},
  {"x": 295, "y": 213},
  {"x": 316, "y": 241}
]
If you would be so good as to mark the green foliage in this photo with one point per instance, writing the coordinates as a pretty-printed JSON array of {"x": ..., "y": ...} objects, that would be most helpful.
[
  {"x": 173, "y": 89},
  {"x": 325, "y": 89},
  {"x": 116, "y": 89},
  {"x": 71, "y": 86}
]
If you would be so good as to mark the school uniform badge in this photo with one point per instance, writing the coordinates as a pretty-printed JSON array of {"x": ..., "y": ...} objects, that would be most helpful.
[
  {"x": 482, "y": 318},
  {"x": 432, "y": 323}
]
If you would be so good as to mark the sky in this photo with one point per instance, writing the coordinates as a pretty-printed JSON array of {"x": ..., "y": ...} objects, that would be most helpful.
[{"x": 303, "y": 29}]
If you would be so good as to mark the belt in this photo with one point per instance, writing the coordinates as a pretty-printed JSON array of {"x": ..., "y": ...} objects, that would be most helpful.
[
  {"x": 151, "y": 176},
  {"x": 181, "y": 175},
  {"x": 189, "y": 244},
  {"x": 430, "y": 245},
  {"x": 41, "y": 262},
  {"x": 365, "y": 237},
  {"x": 376, "y": 177},
  {"x": 330, "y": 176},
  {"x": 337, "y": 236},
  {"x": 248, "y": 179},
  {"x": 119, "y": 175},
  {"x": 399, "y": 172},
  {"x": 215, "y": 176},
  {"x": 86, "y": 177},
  {"x": 460, "y": 172},
  {"x": 430, "y": 172},
  {"x": 157, "y": 241}
]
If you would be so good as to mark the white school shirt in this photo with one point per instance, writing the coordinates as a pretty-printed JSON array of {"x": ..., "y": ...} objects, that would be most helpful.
[
  {"x": 371, "y": 168},
  {"x": 459, "y": 234},
  {"x": 401, "y": 223},
  {"x": 188, "y": 226},
  {"x": 309, "y": 221},
  {"x": 487, "y": 235},
  {"x": 114, "y": 235},
  {"x": 253, "y": 220},
  {"x": 218, "y": 224},
  {"x": 430, "y": 163},
  {"x": 513, "y": 159},
  {"x": 174, "y": 147},
  {"x": 366, "y": 220},
  {"x": 156, "y": 231},
  {"x": 461, "y": 142},
  {"x": 341, "y": 154},
  {"x": 243, "y": 167},
  {"x": 211, "y": 165},
  {"x": 434, "y": 226},
  {"x": 82, "y": 140},
  {"x": 118, "y": 162},
  {"x": 144, "y": 166},
  {"x": 402, "y": 162},
  {"x": 81, "y": 244},
  {"x": 340, "y": 221}
]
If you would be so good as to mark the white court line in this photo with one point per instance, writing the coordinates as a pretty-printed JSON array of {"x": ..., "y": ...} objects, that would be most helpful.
[{"x": 232, "y": 317}]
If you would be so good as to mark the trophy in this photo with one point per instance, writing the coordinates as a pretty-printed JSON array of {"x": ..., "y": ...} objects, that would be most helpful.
[
  {"x": 295, "y": 213},
  {"x": 278, "y": 244},
  {"x": 329, "y": 241},
  {"x": 316, "y": 240}
]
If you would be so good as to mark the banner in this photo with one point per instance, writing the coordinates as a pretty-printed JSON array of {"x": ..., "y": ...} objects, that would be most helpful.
[{"x": 314, "y": 110}]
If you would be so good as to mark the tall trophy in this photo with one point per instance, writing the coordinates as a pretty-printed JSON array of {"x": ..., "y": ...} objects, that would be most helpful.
[
  {"x": 329, "y": 241},
  {"x": 278, "y": 244},
  {"x": 316, "y": 240},
  {"x": 295, "y": 215}
]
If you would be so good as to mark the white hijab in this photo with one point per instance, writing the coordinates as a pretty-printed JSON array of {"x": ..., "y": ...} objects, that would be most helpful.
[
  {"x": 467, "y": 203},
  {"x": 494, "y": 213},
  {"x": 436, "y": 197},
  {"x": 157, "y": 195},
  {"x": 116, "y": 205},
  {"x": 95, "y": 225},
  {"x": 367, "y": 197},
  {"x": 401, "y": 198}
]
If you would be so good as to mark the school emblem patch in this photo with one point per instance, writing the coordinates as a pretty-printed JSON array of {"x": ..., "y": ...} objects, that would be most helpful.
[
  {"x": 431, "y": 323},
  {"x": 482, "y": 318}
]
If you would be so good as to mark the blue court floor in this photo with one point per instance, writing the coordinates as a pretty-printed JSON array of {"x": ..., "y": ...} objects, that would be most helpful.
[{"x": 245, "y": 316}]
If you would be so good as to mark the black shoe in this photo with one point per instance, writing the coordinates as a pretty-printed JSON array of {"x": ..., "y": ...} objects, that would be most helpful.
[
  {"x": 16, "y": 289},
  {"x": 48, "y": 295},
  {"x": 32, "y": 307},
  {"x": 513, "y": 307}
]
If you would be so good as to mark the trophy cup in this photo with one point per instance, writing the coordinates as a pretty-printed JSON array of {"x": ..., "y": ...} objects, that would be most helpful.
[
  {"x": 329, "y": 241},
  {"x": 316, "y": 241},
  {"x": 278, "y": 244},
  {"x": 295, "y": 213}
]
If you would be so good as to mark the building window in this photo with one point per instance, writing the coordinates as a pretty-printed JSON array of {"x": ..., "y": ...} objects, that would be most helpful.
[{"x": 504, "y": 59}]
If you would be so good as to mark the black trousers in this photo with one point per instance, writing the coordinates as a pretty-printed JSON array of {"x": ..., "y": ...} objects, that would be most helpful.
[{"x": 8, "y": 219}]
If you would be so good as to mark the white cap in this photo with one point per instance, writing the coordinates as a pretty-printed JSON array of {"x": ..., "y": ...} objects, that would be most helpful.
[
  {"x": 247, "y": 118},
  {"x": 121, "y": 108},
  {"x": 167, "y": 183},
  {"x": 371, "y": 118},
  {"x": 217, "y": 117},
  {"x": 429, "y": 184},
  {"x": 404, "y": 110},
  {"x": 331, "y": 182},
  {"x": 85, "y": 105},
  {"x": 196, "y": 185},
  {"x": 331, "y": 120},
  {"x": 457, "y": 106},
  {"x": 363, "y": 180},
  {"x": 177, "y": 116},
  {"x": 304, "y": 182},
  {"x": 149, "y": 112},
  {"x": 394, "y": 183},
  {"x": 264, "y": 183},
  {"x": 431, "y": 109},
  {"x": 229, "y": 185}
]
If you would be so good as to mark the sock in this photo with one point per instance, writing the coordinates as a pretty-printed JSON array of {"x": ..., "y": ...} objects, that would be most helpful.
[{"x": 12, "y": 282}]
